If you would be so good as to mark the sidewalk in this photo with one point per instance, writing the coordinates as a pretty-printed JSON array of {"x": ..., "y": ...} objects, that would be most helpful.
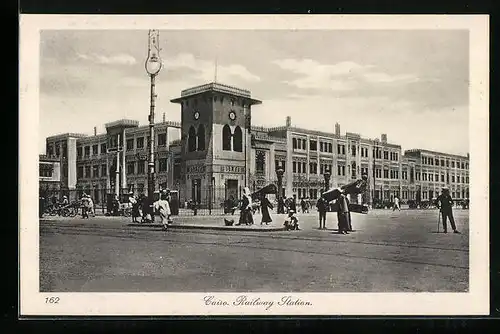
[{"x": 217, "y": 223}]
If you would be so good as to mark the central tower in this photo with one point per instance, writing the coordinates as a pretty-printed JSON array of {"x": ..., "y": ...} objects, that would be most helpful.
[{"x": 215, "y": 137}]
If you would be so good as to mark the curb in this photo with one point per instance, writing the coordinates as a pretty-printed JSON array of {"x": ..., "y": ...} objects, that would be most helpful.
[{"x": 211, "y": 227}]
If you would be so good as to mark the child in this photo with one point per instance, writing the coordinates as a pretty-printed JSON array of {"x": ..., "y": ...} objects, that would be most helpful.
[{"x": 292, "y": 223}]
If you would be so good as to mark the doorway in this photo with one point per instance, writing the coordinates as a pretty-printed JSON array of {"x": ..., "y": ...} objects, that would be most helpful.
[{"x": 232, "y": 189}]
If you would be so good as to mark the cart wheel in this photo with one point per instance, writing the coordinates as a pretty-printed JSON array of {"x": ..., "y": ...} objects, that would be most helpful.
[
  {"x": 65, "y": 212},
  {"x": 73, "y": 213}
]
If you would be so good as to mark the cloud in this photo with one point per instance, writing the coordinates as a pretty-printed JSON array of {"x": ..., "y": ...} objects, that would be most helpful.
[
  {"x": 379, "y": 77},
  {"x": 119, "y": 59},
  {"x": 205, "y": 70},
  {"x": 342, "y": 76}
]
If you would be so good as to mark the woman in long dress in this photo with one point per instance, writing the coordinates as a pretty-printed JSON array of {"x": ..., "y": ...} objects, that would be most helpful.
[
  {"x": 246, "y": 208},
  {"x": 265, "y": 205}
]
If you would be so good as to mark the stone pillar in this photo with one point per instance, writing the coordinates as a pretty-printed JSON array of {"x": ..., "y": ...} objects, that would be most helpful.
[
  {"x": 288, "y": 168},
  {"x": 124, "y": 167}
]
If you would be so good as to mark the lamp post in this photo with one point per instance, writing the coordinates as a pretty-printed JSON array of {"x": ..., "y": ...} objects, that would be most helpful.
[
  {"x": 327, "y": 175},
  {"x": 279, "y": 174},
  {"x": 153, "y": 66}
]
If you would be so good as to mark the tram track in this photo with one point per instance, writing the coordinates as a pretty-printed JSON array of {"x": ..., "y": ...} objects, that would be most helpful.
[
  {"x": 249, "y": 234},
  {"x": 145, "y": 234}
]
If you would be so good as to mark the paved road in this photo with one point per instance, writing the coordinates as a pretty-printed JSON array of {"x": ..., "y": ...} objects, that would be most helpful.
[{"x": 388, "y": 252}]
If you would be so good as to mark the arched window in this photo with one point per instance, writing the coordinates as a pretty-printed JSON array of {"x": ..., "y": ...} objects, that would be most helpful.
[
  {"x": 201, "y": 138},
  {"x": 238, "y": 140},
  {"x": 226, "y": 138},
  {"x": 192, "y": 139}
]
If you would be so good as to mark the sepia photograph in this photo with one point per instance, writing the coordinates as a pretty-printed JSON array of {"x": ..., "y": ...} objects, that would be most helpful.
[{"x": 218, "y": 168}]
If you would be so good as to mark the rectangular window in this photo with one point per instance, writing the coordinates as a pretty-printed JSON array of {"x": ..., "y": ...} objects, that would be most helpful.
[
  {"x": 104, "y": 171},
  {"x": 130, "y": 144},
  {"x": 442, "y": 163},
  {"x": 140, "y": 143},
  {"x": 95, "y": 171},
  {"x": 353, "y": 150},
  {"x": 162, "y": 164},
  {"x": 95, "y": 149},
  {"x": 462, "y": 165},
  {"x": 386, "y": 173},
  {"x": 294, "y": 143},
  {"x": 294, "y": 166},
  {"x": 313, "y": 145},
  {"x": 304, "y": 170},
  {"x": 442, "y": 177},
  {"x": 466, "y": 179},
  {"x": 162, "y": 139},
  {"x": 299, "y": 167},
  {"x": 103, "y": 148},
  {"x": 321, "y": 146},
  {"x": 304, "y": 144},
  {"x": 141, "y": 167},
  {"x": 87, "y": 151},
  {"x": 386, "y": 155},
  {"x": 130, "y": 168},
  {"x": 79, "y": 172},
  {"x": 87, "y": 172},
  {"x": 466, "y": 166},
  {"x": 78, "y": 152}
]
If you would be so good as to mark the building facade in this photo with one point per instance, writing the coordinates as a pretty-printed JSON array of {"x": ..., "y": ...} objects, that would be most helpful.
[
  {"x": 49, "y": 171},
  {"x": 220, "y": 152}
]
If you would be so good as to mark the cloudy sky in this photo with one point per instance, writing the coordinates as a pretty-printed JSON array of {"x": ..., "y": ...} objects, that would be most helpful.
[{"x": 412, "y": 85}]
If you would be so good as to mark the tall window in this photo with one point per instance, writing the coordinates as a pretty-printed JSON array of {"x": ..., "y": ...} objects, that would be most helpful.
[
  {"x": 94, "y": 149},
  {"x": 238, "y": 140},
  {"x": 130, "y": 168},
  {"x": 162, "y": 139},
  {"x": 103, "y": 148},
  {"x": 201, "y": 138},
  {"x": 162, "y": 162},
  {"x": 140, "y": 143},
  {"x": 294, "y": 143},
  {"x": 260, "y": 161},
  {"x": 313, "y": 145},
  {"x": 226, "y": 138},
  {"x": 130, "y": 144},
  {"x": 192, "y": 139}
]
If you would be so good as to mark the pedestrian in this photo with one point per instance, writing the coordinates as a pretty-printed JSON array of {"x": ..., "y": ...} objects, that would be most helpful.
[
  {"x": 91, "y": 205},
  {"x": 292, "y": 223},
  {"x": 163, "y": 208},
  {"x": 396, "y": 204},
  {"x": 322, "y": 206},
  {"x": 265, "y": 206},
  {"x": 342, "y": 214},
  {"x": 134, "y": 205},
  {"x": 303, "y": 205},
  {"x": 246, "y": 208},
  {"x": 445, "y": 203},
  {"x": 293, "y": 205},
  {"x": 85, "y": 206},
  {"x": 349, "y": 221}
]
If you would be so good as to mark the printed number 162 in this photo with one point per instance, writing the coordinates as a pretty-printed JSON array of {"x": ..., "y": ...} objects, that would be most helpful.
[{"x": 52, "y": 300}]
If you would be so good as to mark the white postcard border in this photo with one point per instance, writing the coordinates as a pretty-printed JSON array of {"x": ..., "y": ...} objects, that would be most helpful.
[{"x": 475, "y": 302}]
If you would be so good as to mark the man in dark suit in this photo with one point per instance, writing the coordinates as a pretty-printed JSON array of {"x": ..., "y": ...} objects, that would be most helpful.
[
  {"x": 445, "y": 203},
  {"x": 322, "y": 206}
]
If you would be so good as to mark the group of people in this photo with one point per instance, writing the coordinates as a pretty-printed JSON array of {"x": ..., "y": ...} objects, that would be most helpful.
[
  {"x": 247, "y": 211},
  {"x": 143, "y": 209},
  {"x": 343, "y": 213}
]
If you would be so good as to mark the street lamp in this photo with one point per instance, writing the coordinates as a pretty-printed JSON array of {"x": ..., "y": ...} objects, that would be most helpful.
[
  {"x": 153, "y": 66},
  {"x": 279, "y": 174},
  {"x": 327, "y": 175}
]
